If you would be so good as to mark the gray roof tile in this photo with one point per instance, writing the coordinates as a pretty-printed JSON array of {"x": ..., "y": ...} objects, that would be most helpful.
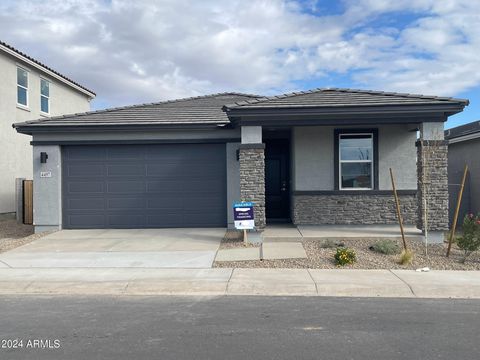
[
  {"x": 462, "y": 130},
  {"x": 195, "y": 110},
  {"x": 209, "y": 109},
  {"x": 336, "y": 97}
]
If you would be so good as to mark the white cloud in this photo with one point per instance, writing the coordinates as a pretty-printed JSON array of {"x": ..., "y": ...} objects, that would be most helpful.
[{"x": 147, "y": 50}]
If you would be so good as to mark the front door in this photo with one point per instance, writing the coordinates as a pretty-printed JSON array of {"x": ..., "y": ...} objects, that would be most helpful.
[{"x": 277, "y": 179}]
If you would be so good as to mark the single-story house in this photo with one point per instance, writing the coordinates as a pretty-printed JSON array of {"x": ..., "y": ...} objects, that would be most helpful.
[
  {"x": 312, "y": 157},
  {"x": 464, "y": 149}
]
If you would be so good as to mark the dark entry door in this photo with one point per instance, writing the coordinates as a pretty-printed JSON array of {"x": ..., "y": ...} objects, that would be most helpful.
[{"x": 277, "y": 179}]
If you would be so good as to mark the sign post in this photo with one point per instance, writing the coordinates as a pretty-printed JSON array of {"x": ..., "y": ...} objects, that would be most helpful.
[{"x": 243, "y": 217}]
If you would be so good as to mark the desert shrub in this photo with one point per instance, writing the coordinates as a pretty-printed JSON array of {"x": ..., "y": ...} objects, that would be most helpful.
[
  {"x": 406, "y": 257},
  {"x": 469, "y": 242},
  {"x": 330, "y": 244},
  {"x": 345, "y": 256},
  {"x": 387, "y": 247}
]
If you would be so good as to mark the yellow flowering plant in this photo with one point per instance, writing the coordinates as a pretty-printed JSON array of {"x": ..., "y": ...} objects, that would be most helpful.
[{"x": 345, "y": 256}]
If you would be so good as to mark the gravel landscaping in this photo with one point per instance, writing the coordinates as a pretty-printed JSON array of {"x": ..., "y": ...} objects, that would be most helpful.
[
  {"x": 322, "y": 258},
  {"x": 13, "y": 235}
]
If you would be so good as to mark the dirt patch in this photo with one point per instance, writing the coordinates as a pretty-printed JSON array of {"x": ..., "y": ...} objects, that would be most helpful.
[
  {"x": 13, "y": 235},
  {"x": 234, "y": 239},
  {"x": 319, "y": 257}
]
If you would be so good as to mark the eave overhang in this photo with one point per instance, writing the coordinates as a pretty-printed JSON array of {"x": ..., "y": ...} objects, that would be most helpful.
[
  {"x": 356, "y": 115},
  {"x": 30, "y": 129}
]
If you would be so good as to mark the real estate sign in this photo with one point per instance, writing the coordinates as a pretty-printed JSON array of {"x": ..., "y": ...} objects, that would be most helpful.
[{"x": 243, "y": 216}]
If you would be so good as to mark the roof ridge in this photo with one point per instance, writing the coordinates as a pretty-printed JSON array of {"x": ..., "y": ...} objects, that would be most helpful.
[
  {"x": 10, "y": 47},
  {"x": 239, "y": 104},
  {"x": 67, "y": 116}
]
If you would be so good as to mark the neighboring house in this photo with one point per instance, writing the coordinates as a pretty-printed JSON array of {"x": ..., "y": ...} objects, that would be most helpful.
[
  {"x": 314, "y": 157},
  {"x": 464, "y": 148},
  {"x": 29, "y": 90}
]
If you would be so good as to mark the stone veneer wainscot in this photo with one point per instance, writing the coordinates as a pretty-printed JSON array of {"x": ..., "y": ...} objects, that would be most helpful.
[
  {"x": 252, "y": 179},
  {"x": 348, "y": 208}
]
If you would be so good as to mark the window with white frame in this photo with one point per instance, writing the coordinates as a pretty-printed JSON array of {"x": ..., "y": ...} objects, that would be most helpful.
[
  {"x": 355, "y": 161},
  {"x": 44, "y": 96},
  {"x": 22, "y": 86}
]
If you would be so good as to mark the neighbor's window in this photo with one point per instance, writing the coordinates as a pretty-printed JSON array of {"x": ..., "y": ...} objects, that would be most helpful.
[
  {"x": 44, "y": 96},
  {"x": 22, "y": 87},
  {"x": 356, "y": 161}
]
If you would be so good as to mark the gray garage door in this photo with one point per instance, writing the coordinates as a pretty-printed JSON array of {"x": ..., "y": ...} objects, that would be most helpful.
[{"x": 144, "y": 186}]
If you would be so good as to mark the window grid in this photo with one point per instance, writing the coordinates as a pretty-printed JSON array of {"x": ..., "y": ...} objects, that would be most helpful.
[
  {"x": 44, "y": 96},
  {"x": 23, "y": 87},
  {"x": 340, "y": 162}
]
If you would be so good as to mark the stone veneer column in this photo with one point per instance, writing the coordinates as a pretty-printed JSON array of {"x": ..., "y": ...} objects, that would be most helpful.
[
  {"x": 432, "y": 168},
  {"x": 252, "y": 179}
]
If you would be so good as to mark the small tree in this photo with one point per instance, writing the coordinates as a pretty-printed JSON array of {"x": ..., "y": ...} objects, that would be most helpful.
[{"x": 469, "y": 242}]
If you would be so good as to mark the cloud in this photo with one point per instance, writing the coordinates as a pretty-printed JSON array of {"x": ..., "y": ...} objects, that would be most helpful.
[{"x": 147, "y": 50}]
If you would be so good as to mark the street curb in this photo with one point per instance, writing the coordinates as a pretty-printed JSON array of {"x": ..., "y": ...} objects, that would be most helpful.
[{"x": 241, "y": 282}]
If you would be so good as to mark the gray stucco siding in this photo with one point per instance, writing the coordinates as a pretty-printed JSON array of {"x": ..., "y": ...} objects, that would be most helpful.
[
  {"x": 313, "y": 167},
  {"x": 106, "y": 136},
  {"x": 397, "y": 150},
  {"x": 233, "y": 179},
  {"x": 47, "y": 191},
  {"x": 459, "y": 154}
]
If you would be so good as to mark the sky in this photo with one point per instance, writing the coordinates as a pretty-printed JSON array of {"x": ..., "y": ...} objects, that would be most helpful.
[{"x": 131, "y": 52}]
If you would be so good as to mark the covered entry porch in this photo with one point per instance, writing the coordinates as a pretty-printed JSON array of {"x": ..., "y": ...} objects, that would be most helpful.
[{"x": 342, "y": 144}]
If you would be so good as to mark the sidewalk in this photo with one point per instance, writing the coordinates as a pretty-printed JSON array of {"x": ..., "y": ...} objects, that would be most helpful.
[{"x": 214, "y": 282}]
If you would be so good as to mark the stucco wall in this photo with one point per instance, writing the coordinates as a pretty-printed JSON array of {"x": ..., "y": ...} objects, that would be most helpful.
[
  {"x": 134, "y": 135},
  {"x": 313, "y": 157},
  {"x": 47, "y": 191},
  {"x": 233, "y": 179},
  {"x": 459, "y": 154},
  {"x": 16, "y": 152}
]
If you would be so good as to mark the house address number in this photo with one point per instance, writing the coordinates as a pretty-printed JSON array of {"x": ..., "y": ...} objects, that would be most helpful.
[{"x": 45, "y": 174}]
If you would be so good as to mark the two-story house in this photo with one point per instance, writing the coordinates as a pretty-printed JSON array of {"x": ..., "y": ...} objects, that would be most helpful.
[{"x": 29, "y": 90}]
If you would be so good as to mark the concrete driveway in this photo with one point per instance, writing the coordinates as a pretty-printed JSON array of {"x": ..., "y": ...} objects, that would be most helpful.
[{"x": 139, "y": 248}]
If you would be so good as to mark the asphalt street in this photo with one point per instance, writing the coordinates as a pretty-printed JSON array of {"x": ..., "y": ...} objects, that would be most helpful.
[{"x": 238, "y": 327}]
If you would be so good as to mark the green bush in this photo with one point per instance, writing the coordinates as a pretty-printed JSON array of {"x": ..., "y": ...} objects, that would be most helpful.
[
  {"x": 387, "y": 247},
  {"x": 469, "y": 242},
  {"x": 330, "y": 244},
  {"x": 345, "y": 256}
]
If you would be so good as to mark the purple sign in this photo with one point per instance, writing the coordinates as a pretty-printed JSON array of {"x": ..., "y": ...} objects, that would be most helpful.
[{"x": 243, "y": 215}]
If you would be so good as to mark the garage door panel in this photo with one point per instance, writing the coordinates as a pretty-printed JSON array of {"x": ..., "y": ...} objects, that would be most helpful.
[
  {"x": 85, "y": 171},
  {"x": 138, "y": 186},
  {"x": 126, "y": 187},
  {"x": 125, "y": 170},
  {"x": 88, "y": 187},
  {"x": 122, "y": 153},
  {"x": 130, "y": 203},
  {"x": 165, "y": 186},
  {"x": 86, "y": 221},
  {"x": 86, "y": 203},
  {"x": 165, "y": 169},
  {"x": 166, "y": 202}
]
